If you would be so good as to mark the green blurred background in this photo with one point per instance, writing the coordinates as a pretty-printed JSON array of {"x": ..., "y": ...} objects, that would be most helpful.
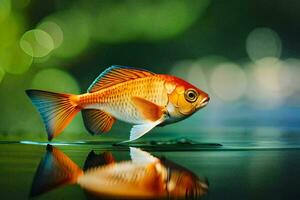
[{"x": 245, "y": 54}]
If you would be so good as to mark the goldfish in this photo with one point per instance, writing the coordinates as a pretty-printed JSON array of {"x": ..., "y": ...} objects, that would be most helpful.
[
  {"x": 144, "y": 176},
  {"x": 132, "y": 95}
]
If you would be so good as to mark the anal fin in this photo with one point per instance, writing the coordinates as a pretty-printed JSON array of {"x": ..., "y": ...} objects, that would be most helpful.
[
  {"x": 97, "y": 121},
  {"x": 93, "y": 160}
]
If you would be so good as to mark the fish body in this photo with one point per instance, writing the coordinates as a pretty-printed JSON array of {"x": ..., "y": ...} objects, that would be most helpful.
[
  {"x": 124, "y": 179},
  {"x": 117, "y": 99},
  {"x": 145, "y": 176},
  {"x": 136, "y": 96}
]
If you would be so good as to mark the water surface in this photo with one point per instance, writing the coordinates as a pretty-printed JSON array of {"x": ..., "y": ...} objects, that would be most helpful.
[{"x": 255, "y": 168}]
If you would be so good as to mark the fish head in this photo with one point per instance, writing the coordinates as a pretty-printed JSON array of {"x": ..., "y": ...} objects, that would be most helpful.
[
  {"x": 181, "y": 182},
  {"x": 186, "y": 185},
  {"x": 184, "y": 98}
]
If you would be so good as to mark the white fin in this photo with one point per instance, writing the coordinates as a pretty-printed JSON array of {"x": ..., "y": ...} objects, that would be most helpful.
[
  {"x": 141, "y": 157},
  {"x": 138, "y": 131}
]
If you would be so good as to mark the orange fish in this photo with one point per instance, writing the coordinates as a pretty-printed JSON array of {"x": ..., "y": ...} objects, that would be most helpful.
[
  {"x": 142, "y": 177},
  {"x": 128, "y": 94}
]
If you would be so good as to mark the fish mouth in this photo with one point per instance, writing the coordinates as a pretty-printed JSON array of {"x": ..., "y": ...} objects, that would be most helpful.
[{"x": 204, "y": 102}]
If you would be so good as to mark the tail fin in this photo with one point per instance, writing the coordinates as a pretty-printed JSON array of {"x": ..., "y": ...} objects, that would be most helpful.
[
  {"x": 54, "y": 170},
  {"x": 56, "y": 110}
]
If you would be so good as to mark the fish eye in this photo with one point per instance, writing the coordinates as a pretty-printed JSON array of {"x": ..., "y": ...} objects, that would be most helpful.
[{"x": 191, "y": 95}]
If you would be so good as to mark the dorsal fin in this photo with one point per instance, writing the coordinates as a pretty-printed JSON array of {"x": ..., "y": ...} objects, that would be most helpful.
[{"x": 115, "y": 75}]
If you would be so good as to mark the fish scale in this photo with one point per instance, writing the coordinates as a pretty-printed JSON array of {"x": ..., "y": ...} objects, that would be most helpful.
[
  {"x": 143, "y": 177},
  {"x": 117, "y": 100}
]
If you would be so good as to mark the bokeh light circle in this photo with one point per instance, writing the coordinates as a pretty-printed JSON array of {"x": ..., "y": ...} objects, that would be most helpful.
[
  {"x": 14, "y": 61},
  {"x": 263, "y": 42},
  {"x": 177, "y": 16},
  {"x": 196, "y": 76},
  {"x": 55, "y": 80},
  {"x": 266, "y": 72},
  {"x": 54, "y": 30},
  {"x": 228, "y": 81},
  {"x": 290, "y": 76},
  {"x": 36, "y": 43},
  {"x": 266, "y": 88},
  {"x": 180, "y": 68},
  {"x": 151, "y": 21},
  {"x": 75, "y": 26}
]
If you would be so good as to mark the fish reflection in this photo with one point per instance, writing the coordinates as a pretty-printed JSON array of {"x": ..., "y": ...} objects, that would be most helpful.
[{"x": 144, "y": 176}]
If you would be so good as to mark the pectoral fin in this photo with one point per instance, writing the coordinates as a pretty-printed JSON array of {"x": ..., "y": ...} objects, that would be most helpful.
[{"x": 149, "y": 110}]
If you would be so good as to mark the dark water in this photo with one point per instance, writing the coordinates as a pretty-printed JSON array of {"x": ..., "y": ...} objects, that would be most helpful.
[{"x": 260, "y": 168}]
